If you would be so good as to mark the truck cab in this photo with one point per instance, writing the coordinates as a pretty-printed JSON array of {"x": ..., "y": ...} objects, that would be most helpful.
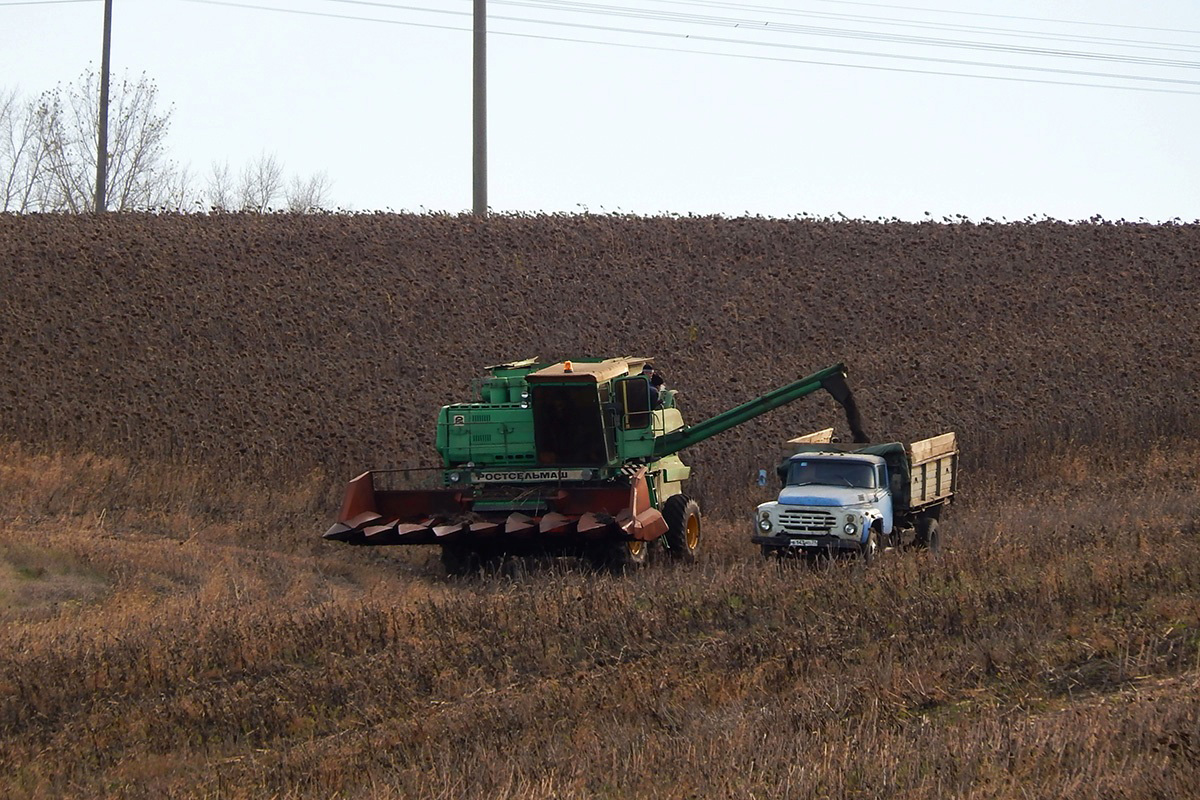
[{"x": 829, "y": 502}]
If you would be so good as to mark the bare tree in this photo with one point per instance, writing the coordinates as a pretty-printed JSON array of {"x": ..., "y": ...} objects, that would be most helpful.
[
  {"x": 179, "y": 193},
  {"x": 144, "y": 178},
  {"x": 305, "y": 195},
  {"x": 48, "y": 158},
  {"x": 22, "y": 155},
  {"x": 262, "y": 183},
  {"x": 219, "y": 191},
  {"x": 139, "y": 175}
]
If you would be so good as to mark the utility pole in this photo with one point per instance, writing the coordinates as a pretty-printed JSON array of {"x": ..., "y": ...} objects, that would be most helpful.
[
  {"x": 479, "y": 99},
  {"x": 102, "y": 132}
]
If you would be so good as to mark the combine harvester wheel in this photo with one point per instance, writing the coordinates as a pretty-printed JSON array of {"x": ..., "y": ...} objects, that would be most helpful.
[{"x": 682, "y": 514}]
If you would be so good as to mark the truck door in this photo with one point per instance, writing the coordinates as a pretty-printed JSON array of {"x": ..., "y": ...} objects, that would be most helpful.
[{"x": 886, "y": 502}]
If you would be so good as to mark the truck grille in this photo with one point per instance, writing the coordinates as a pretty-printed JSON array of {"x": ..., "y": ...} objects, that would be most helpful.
[{"x": 807, "y": 521}]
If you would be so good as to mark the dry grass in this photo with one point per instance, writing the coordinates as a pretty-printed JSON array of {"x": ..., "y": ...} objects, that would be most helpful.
[{"x": 1053, "y": 651}]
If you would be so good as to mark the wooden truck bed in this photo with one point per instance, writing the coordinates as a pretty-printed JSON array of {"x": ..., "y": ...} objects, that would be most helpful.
[{"x": 933, "y": 469}]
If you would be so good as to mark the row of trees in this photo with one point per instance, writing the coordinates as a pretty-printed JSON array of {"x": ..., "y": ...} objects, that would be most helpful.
[{"x": 48, "y": 158}]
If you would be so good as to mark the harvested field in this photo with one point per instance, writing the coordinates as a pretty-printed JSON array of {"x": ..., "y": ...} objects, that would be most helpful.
[
  {"x": 183, "y": 396},
  {"x": 1052, "y": 651}
]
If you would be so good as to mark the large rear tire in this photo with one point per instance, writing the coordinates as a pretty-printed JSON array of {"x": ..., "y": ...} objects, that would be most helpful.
[
  {"x": 682, "y": 514},
  {"x": 928, "y": 536}
]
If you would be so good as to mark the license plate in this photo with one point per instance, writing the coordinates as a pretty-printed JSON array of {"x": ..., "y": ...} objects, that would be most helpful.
[{"x": 802, "y": 542}]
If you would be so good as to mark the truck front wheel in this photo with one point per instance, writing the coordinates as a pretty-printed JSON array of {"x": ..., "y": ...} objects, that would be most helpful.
[
  {"x": 870, "y": 548},
  {"x": 683, "y": 527}
]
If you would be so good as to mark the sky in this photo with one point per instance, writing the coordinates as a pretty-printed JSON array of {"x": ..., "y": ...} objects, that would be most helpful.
[{"x": 776, "y": 108}]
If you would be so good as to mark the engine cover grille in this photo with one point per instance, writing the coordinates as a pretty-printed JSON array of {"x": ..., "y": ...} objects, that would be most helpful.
[{"x": 807, "y": 521}]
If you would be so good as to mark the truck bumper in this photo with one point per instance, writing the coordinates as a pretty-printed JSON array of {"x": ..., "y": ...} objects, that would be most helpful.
[{"x": 809, "y": 543}]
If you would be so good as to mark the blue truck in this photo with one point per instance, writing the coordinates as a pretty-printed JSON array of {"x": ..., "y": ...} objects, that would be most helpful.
[{"x": 858, "y": 498}]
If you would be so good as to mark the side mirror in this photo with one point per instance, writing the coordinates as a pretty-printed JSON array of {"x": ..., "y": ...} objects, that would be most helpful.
[{"x": 633, "y": 400}]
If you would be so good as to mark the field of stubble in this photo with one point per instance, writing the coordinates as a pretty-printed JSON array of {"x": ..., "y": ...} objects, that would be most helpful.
[
  {"x": 181, "y": 398},
  {"x": 1052, "y": 651}
]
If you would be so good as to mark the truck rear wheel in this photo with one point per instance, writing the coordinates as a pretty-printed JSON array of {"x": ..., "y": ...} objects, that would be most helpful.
[
  {"x": 928, "y": 536},
  {"x": 682, "y": 514}
]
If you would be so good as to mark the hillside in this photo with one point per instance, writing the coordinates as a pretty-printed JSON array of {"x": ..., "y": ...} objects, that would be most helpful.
[{"x": 288, "y": 343}]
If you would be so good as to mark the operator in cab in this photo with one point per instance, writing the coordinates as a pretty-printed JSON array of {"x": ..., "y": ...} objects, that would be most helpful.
[{"x": 657, "y": 384}]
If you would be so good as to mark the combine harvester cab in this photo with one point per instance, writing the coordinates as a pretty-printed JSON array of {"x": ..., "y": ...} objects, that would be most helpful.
[{"x": 573, "y": 458}]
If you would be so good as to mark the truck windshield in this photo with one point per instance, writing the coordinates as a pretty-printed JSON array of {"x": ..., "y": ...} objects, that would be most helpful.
[{"x": 828, "y": 472}]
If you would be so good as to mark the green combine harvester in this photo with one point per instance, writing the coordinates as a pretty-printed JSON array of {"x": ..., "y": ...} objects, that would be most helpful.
[{"x": 574, "y": 458}]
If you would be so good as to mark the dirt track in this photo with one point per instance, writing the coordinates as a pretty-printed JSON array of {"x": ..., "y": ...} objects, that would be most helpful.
[{"x": 329, "y": 341}]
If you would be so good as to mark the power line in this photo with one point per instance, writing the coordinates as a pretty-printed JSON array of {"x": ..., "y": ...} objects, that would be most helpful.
[
  {"x": 835, "y": 51},
  {"x": 43, "y": 2},
  {"x": 596, "y": 9},
  {"x": 910, "y": 23},
  {"x": 720, "y": 40},
  {"x": 873, "y": 67},
  {"x": 840, "y": 51},
  {"x": 1000, "y": 16},
  {"x": 327, "y": 15},
  {"x": 891, "y": 38}
]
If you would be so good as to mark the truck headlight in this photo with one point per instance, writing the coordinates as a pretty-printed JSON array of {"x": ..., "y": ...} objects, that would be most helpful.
[
  {"x": 850, "y": 528},
  {"x": 455, "y": 477},
  {"x": 764, "y": 523}
]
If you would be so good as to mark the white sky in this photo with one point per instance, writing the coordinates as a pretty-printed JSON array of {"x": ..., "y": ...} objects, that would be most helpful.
[{"x": 385, "y": 109}]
